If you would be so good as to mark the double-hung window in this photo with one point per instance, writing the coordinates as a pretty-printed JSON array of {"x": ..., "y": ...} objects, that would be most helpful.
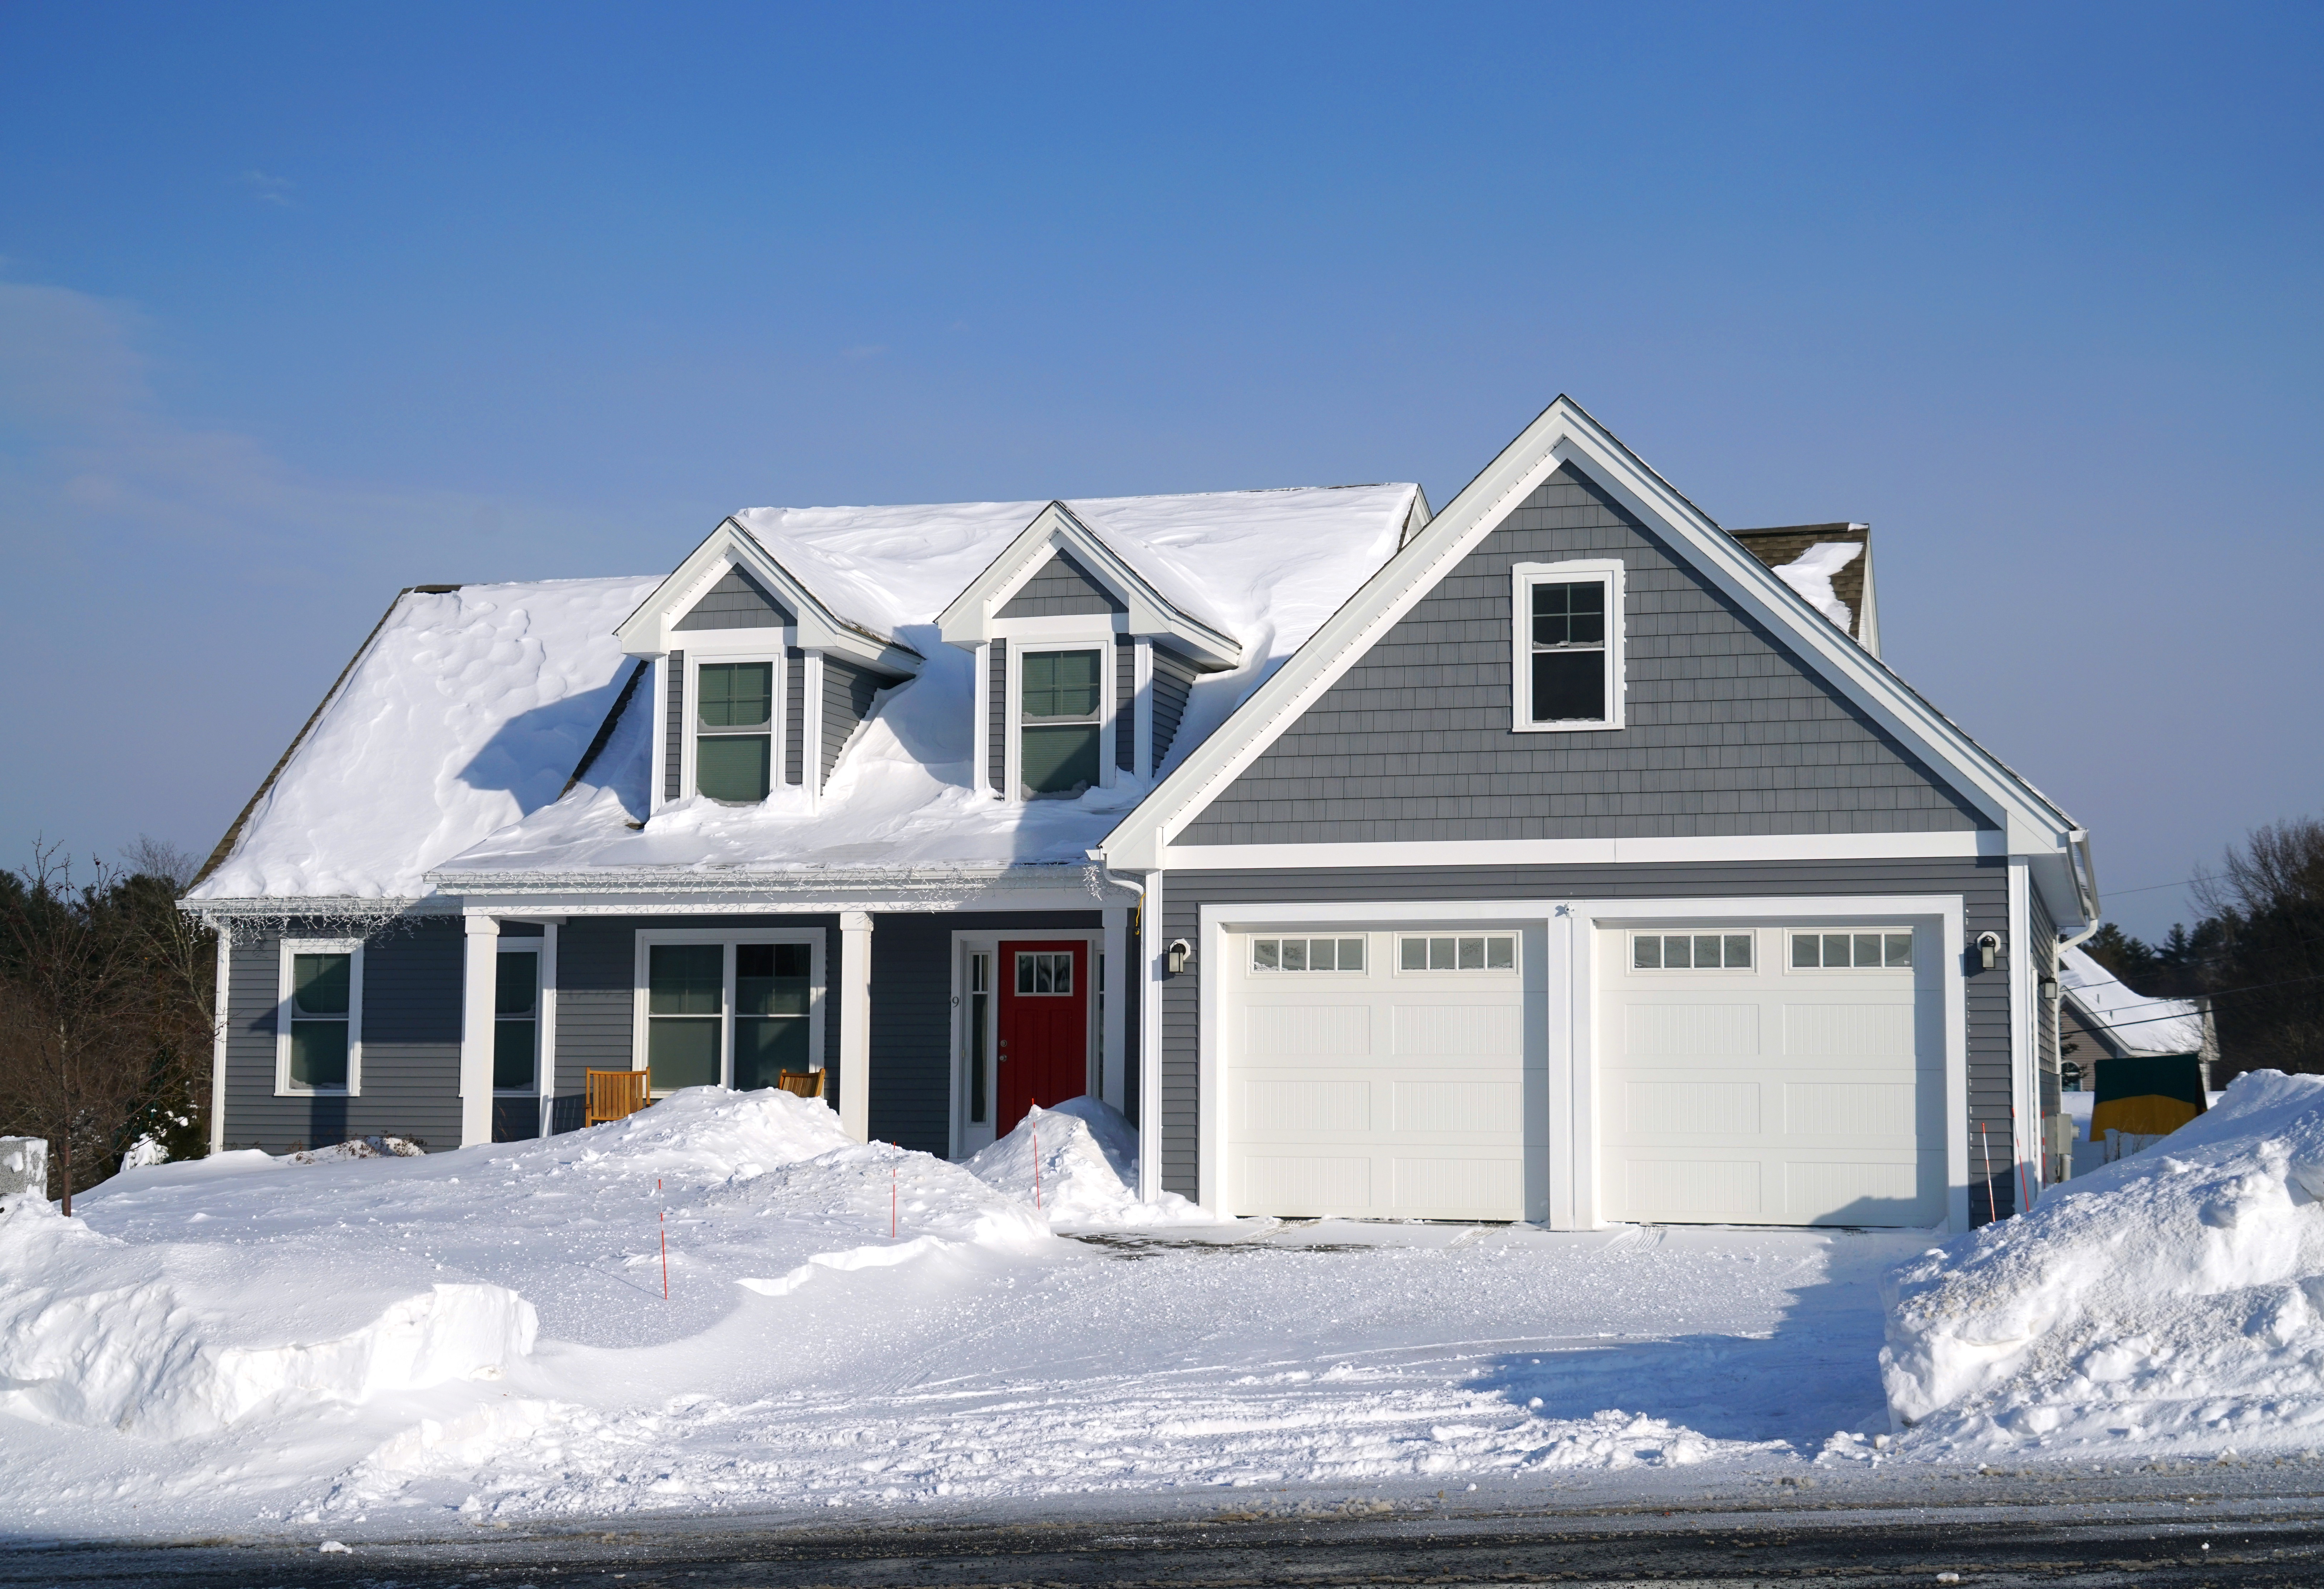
[
  {"x": 319, "y": 1019},
  {"x": 516, "y": 1019},
  {"x": 1567, "y": 653},
  {"x": 1062, "y": 702},
  {"x": 726, "y": 1012},
  {"x": 733, "y": 744}
]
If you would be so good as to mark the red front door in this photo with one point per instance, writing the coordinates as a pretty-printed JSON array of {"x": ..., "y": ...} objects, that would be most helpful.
[{"x": 1043, "y": 1026}]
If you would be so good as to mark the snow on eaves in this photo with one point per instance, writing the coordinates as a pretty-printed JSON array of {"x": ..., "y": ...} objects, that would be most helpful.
[
  {"x": 467, "y": 712},
  {"x": 2140, "y": 1024}
]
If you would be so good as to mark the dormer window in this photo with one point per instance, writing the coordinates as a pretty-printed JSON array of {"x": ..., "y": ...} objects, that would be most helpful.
[
  {"x": 1062, "y": 708},
  {"x": 733, "y": 746}
]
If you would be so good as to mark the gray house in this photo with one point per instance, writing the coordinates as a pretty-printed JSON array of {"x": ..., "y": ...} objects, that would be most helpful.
[{"x": 1558, "y": 856}]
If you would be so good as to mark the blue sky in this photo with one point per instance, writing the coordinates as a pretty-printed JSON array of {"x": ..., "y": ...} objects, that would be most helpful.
[{"x": 300, "y": 305}]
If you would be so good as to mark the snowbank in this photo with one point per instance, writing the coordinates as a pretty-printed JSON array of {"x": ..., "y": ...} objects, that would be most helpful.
[
  {"x": 1077, "y": 1164},
  {"x": 2176, "y": 1297}
]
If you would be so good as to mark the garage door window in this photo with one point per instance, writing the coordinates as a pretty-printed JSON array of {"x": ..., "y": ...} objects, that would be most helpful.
[
  {"x": 1851, "y": 951},
  {"x": 1490, "y": 952},
  {"x": 1306, "y": 954},
  {"x": 1690, "y": 951}
]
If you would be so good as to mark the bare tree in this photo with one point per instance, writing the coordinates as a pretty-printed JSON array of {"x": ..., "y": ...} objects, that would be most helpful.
[
  {"x": 2267, "y": 903},
  {"x": 98, "y": 1020}
]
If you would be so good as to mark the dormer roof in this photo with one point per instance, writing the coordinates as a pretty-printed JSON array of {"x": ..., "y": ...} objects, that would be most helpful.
[
  {"x": 1155, "y": 598},
  {"x": 717, "y": 582}
]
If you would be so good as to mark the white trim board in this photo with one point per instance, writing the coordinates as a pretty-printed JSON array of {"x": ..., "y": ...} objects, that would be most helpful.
[
  {"x": 1557, "y": 851},
  {"x": 1569, "y": 982},
  {"x": 1562, "y": 434}
]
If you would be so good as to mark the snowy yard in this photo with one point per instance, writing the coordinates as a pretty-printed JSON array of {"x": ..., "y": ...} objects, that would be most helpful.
[{"x": 394, "y": 1341}]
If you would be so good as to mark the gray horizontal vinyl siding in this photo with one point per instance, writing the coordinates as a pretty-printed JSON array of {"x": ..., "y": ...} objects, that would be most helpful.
[
  {"x": 1125, "y": 703},
  {"x": 1174, "y": 677},
  {"x": 735, "y": 602},
  {"x": 847, "y": 692},
  {"x": 793, "y": 716},
  {"x": 1728, "y": 731},
  {"x": 996, "y": 718},
  {"x": 673, "y": 725},
  {"x": 410, "y": 1037},
  {"x": 1982, "y": 884},
  {"x": 1063, "y": 588},
  {"x": 911, "y": 1017},
  {"x": 596, "y": 973}
]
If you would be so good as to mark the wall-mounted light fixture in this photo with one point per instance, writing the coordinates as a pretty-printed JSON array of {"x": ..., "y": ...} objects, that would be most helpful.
[
  {"x": 1988, "y": 949},
  {"x": 1177, "y": 955},
  {"x": 2049, "y": 987}
]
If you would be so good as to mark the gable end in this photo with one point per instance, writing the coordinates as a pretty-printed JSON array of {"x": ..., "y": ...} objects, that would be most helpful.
[
  {"x": 736, "y": 602},
  {"x": 1061, "y": 587},
  {"x": 1729, "y": 731}
]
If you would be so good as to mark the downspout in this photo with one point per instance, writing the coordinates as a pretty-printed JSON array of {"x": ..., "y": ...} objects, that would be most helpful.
[
  {"x": 1148, "y": 1158},
  {"x": 2086, "y": 884}
]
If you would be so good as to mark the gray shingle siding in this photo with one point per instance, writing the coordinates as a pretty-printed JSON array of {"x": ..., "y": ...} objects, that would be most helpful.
[
  {"x": 735, "y": 602},
  {"x": 1125, "y": 703},
  {"x": 411, "y": 1043},
  {"x": 1063, "y": 588},
  {"x": 793, "y": 716},
  {"x": 1728, "y": 730},
  {"x": 1982, "y": 884},
  {"x": 847, "y": 692},
  {"x": 1174, "y": 677},
  {"x": 674, "y": 725},
  {"x": 911, "y": 1030},
  {"x": 996, "y": 719}
]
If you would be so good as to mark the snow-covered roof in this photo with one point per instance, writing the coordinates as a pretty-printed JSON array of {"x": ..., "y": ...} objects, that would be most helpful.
[
  {"x": 2139, "y": 1024},
  {"x": 466, "y": 711},
  {"x": 447, "y": 746}
]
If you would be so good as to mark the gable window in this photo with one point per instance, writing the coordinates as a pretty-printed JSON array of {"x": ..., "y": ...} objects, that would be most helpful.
[
  {"x": 1567, "y": 634},
  {"x": 1062, "y": 706},
  {"x": 318, "y": 1021},
  {"x": 733, "y": 746},
  {"x": 727, "y": 1011}
]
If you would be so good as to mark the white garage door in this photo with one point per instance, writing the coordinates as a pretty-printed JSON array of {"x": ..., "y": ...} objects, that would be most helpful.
[
  {"x": 1379, "y": 1074},
  {"x": 1771, "y": 1076}
]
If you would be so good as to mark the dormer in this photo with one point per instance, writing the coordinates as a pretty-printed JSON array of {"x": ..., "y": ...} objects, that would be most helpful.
[
  {"x": 759, "y": 683},
  {"x": 1087, "y": 649}
]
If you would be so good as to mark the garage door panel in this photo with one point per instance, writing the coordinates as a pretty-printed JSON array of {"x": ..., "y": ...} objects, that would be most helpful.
[
  {"x": 1457, "y": 1188},
  {"x": 1308, "y": 1104},
  {"x": 1761, "y": 1090},
  {"x": 1459, "y": 1032},
  {"x": 1308, "y": 1184},
  {"x": 1484, "y": 1109},
  {"x": 1307, "y": 1031}
]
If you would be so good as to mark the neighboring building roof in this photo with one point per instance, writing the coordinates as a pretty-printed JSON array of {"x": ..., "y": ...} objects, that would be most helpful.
[
  {"x": 2132, "y": 1022},
  {"x": 453, "y": 740},
  {"x": 1829, "y": 565}
]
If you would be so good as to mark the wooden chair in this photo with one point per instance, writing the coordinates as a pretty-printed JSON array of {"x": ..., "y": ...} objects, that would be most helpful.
[
  {"x": 802, "y": 1084},
  {"x": 614, "y": 1094}
]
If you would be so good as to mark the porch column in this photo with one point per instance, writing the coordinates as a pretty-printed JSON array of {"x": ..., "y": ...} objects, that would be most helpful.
[
  {"x": 1114, "y": 1072},
  {"x": 480, "y": 983},
  {"x": 855, "y": 1024}
]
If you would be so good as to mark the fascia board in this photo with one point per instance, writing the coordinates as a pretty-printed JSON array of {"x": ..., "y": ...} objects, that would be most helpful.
[
  {"x": 647, "y": 631},
  {"x": 1562, "y": 432}
]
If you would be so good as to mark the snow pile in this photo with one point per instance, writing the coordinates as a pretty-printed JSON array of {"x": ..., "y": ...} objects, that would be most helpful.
[
  {"x": 1811, "y": 574},
  {"x": 1077, "y": 1164},
  {"x": 229, "y": 1288},
  {"x": 2175, "y": 1297},
  {"x": 465, "y": 712}
]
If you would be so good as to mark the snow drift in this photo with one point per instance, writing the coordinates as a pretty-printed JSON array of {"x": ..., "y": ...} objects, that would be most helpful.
[
  {"x": 2176, "y": 1295},
  {"x": 1077, "y": 1164}
]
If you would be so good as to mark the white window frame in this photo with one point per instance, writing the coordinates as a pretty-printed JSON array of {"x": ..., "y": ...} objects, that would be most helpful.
[
  {"x": 818, "y": 987},
  {"x": 777, "y": 709},
  {"x": 1092, "y": 633},
  {"x": 541, "y": 1033},
  {"x": 284, "y": 1088},
  {"x": 1523, "y": 577}
]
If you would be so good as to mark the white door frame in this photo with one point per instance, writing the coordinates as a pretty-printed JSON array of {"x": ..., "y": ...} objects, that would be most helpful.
[
  {"x": 989, "y": 939},
  {"x": 1569, "y": 980}
]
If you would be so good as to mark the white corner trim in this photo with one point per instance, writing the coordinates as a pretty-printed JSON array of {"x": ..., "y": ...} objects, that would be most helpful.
[
  {"x": 221, "y": 1022},
  {"x": 289, "y": 948},
  {"x": 1151, "y": 982},
  {"x": 547, "y": 1068},
  {"x": 855, "y": 1024},
  {"x": 1523, "y": 577},
  {"x": 479, "y": 977},
  {"x": 1577, "y": 852},
  {"x": 981, "y": 711},
  {"x": 2025, "y": 1043},
  {"x": 811, "y": 728}
]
